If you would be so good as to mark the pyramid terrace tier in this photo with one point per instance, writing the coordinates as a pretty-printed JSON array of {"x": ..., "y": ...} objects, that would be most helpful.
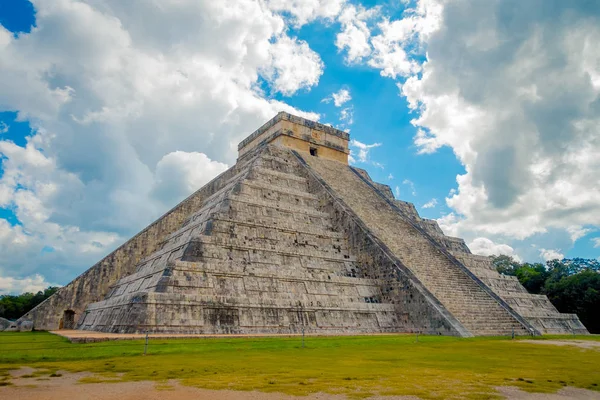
[{"x": 291, "y": 240}]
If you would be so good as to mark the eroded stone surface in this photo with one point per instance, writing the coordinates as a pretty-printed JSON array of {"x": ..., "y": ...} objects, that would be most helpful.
[
  {"x": 293, "y": 239},
  {"x": 4, "y": 323}
]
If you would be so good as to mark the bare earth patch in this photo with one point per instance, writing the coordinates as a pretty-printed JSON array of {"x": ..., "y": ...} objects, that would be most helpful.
[
  {"x": 67, "y": 386},
  {"x": 567, "y": 393},
  {"x": 79, "y": 336},
  {"x": 28, "y": 383},
  {"x": 586, "y": 344}
]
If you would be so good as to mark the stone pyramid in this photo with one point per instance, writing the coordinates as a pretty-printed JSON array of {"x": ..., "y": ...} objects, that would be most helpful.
[{"x": 293, "y": 239}]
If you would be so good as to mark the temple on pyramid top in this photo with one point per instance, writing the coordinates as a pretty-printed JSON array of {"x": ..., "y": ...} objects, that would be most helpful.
[{"x": 299, "y": 134}]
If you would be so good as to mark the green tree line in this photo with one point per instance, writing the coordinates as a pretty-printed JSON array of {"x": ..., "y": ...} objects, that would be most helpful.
[
  {"x": 572, "y": 285},
  {"x": 14, "y": 306}
]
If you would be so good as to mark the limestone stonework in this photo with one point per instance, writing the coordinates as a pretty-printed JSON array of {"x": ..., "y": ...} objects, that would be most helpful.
[{"x": 294, "y": 239}]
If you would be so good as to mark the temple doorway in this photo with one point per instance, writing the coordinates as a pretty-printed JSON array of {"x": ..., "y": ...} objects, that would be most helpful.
[{"x": 68, "y": 320}]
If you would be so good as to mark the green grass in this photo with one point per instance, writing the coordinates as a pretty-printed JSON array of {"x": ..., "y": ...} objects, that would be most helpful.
[{"x": 434, "y": 367}]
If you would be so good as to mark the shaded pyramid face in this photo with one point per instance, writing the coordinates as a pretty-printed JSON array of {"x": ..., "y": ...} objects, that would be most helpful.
[{"x": 294, "y": 239}]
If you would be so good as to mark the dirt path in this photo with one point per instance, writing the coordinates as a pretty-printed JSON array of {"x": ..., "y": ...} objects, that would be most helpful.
[
  {"x": 66, "y": 386},
  {"x": 568, "y": 393},
  {"x": 78, "y": 336},
  {"x": 586, "y": 344}
]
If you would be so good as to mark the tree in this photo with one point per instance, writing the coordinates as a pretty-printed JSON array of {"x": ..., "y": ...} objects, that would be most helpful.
[
  {"x": 579, "y": 294},
  {"x": 572, "y": 285},
  {"x": 567, "y": 267},
  {"x": 532, "y": 276},
  {"x": 506, "y": 265},
  {"x": 15, "y": 306}
]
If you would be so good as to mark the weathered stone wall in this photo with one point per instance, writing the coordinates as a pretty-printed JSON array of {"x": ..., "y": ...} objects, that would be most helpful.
[
  {"x": 94, "y": 284},
  {"x": 417, "y": 310},
  {"x": 535, "y": 308},
  {"x": 467, "y": 298},
  {"x": 257, "y": 257},
  {"x": 299, "y": 134},
  {"x": 293, "y": 239}
]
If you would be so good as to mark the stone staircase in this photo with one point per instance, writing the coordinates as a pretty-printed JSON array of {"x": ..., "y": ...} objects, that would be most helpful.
[
  {"x": 266, "y": 253},
  {"x": 467, "y": 300},
  {"x": 535, "y": 308},
  {"x": 257, "y": 257}
]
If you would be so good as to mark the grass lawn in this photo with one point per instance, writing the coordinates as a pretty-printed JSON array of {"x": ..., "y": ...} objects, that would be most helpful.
[{"x": 434, "y": 367}]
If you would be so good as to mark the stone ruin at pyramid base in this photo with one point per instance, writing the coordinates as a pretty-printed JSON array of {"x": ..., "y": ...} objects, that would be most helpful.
[{"x": 292, "y": 239}]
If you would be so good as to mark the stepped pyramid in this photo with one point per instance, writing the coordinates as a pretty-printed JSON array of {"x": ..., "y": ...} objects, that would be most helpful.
[{"x": 292, "y": 239}]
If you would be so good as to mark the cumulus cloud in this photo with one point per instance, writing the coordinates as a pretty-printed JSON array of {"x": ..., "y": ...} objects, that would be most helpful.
[
  {"x": 430, "y": 204},
  {"x": 392, "y": 47},
  {"x": 485, "y": 247},
  {"x": 31, "y": 284},
  {"x": 596, "y": 242},
  {"x": 305, "y": 11},
  {"x": 354, "y": 38},
  {"x": 339, "y": 98},
  {"x": 3, "y": 127},
  {"x": 551, "y": 254},
  {"x": 44, "y": 241},
  {"x": 515, "y": 100},
  {"x": 180, "y": 173},
  {"x": 513, "y": 88},
  {"x": 577, "y": 232},
  {"x": 294, "y": 66},
  {"x": 361, "y": 150},
  {"x": 117, "y": 108}
]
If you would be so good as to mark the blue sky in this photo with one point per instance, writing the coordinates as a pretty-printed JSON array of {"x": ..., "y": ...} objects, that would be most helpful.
[{"x": 112, "y": 112}]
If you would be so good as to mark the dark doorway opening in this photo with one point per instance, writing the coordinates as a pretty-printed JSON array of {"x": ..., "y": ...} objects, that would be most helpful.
[
  {"x": 313, "y": 151},
  {"x": 68, "y": 321}
]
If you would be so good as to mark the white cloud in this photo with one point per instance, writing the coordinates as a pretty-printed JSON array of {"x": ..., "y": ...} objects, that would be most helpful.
[
  {"x": 389, "y": 55},
  {"x": 361, "y": 150},
  {"x": 390, "y": 177},
  {"x": 3, "y": 127},
  {"x": 304, "y": 11},
  {"x": 397, "y": 191},
  {"x": 430, "y": 204},
  {"x": 521, "y": 126},
  {"x": 517, "y": 100},
  {"x": 485, "y": 247},
  {"x": 341, "y": 97},
  {"x": 354, "y": 37},
  {"x": 551, "y": 254},
  {"x": 294, "y": 66},
  {"x": 33, "y": 186},
  {"x": 347, "y": 116},
  {"x": 179, "y": 174},
  {"x": 392, "y": 50},
  {"x": 577, "y": 232},
  {"x": 411, "y": 185},
  {"x": 596, "y": 242},
  {"x": 117, "y": 108},
  {"x": 32, "y": 284}
]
